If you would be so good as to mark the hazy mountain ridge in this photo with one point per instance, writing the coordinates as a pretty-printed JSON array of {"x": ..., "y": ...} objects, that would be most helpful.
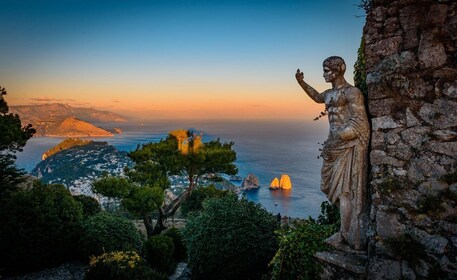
[{"x": 47, "y": 118}]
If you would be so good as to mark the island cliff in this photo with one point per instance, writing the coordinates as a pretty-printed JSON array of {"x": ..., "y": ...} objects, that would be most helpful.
[{"x": 72, "y": 127}]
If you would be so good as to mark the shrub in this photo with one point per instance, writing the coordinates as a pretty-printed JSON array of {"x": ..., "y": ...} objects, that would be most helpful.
[
  {"x": 159, "y": 253},
  {"x": 90, "y": 205},
  {"x": 121, "y": 266},
  {"x": 195, "y": 200},
  {"x": 230, "y": 239},
  {"x": 106, "y": 232},
  {"x": 180, "y": 251},
  {"x": 38, "y": 228},
  {"x": 297, "y": 246}
]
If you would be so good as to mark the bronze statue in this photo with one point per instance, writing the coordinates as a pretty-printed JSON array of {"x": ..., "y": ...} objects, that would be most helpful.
[{"x": 344, "y": 171}]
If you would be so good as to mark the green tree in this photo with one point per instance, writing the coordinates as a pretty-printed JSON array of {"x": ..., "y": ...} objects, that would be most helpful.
[
  {"x": 230, "y": 239},
  {"x": 39, "y": 227},
  {"x": 180, "y": 153},
  {"x": 194, "y": 201},
  {"x": 13, "y": 138},
  {"x": 140, "y": 200}
]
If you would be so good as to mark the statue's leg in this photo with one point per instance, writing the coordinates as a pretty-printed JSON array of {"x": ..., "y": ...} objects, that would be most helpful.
[{"x": 345, "y": 213}]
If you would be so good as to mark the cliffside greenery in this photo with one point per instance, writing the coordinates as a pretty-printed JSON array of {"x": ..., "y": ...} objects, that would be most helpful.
[
  {"x": 230, "y": 239},
  {"x": 299, "y": 242},
  {"x": 360, "y": 73},
  {"x": 13, "y": 138},
  {"x": 39, "y": 228},
  {"x": 106, "y": 232}
]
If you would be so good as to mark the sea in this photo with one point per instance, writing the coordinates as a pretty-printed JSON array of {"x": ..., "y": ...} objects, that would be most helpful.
[{"x": 264, "y": 148}]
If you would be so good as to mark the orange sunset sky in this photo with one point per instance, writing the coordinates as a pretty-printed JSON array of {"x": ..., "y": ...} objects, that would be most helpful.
[{"x": 175, "y": 59}]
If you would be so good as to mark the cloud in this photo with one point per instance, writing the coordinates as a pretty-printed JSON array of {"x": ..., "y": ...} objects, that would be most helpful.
[
  {"x": 116, "y": 101},
  {"x": 46, "y": 99}
]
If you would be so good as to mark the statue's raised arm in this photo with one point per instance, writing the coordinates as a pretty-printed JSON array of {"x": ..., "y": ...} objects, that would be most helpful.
[{"x": 314, "y": 94}]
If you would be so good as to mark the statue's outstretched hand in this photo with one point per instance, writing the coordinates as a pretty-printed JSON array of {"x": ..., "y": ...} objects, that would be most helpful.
[{"x": 299, "y": 76}]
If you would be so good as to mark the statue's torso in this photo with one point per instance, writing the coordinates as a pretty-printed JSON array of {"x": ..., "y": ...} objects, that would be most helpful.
[{"x": 338, "y": 110}]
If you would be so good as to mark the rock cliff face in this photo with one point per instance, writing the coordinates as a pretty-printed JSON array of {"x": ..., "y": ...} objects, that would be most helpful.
[
  {"x": 72, "y": 127},
  {"x": 411, "y": 60}
]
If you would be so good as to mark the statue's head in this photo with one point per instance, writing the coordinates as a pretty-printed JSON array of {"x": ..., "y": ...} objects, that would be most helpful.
[{"x": 334, "y": 66}]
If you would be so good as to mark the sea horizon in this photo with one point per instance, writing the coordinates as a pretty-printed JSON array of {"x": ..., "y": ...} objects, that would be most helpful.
[{"x": 265, "y": 148}]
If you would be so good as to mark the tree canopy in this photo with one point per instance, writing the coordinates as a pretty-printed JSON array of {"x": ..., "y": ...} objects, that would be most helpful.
[{"x": 13, "y": 138}]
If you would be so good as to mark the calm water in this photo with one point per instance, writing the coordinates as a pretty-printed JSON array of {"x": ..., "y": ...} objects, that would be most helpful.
[{"x": 264, "y": 148}]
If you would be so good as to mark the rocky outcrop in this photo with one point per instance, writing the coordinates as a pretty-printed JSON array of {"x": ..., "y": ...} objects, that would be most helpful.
[
  {"x": 411, "y": 63},
  {"x": 65, "y": 144},
  {"x": 250, "y": 182},
  {"x": 283, "y": 183},
  {"x": 72, "y": 127},
  {"x": 274, "y": 185}
]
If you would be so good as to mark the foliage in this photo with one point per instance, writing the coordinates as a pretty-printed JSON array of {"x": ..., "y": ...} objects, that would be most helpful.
[
  {"x": 112, "y": 186},
  {"x": 138, "y": 199},
  {"x": 121, "y": 265},
  {"x": 297, "y": 246},
  {"x": 106, "y": 232},
  {"x": 38, "y": 227},
  {"x": 180, "y": 252},
  {"x": 360, "y": 73},
  {"x": 13, "y": 138},
  {"x": 330, "y": 214},
  {"x": 159, "y": 253},
  {"x": 407, "y": 248},
  {"x": 194, "y": 202},
  {"x": 90, "y": 205},
  {"x": 230, "y": 239}
]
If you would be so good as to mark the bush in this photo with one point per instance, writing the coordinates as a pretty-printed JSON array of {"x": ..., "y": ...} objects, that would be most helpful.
[
  {"x": 121, "y": 266},
  {"x": 299, "y": 242},
  {"x": 90, "y": 205},
  {"x": 180, "y": 252},
  {"x": 230, "y": 239},
  {"x": 38, "y": 228},
  {"x": 106, "y": 232},
  {"x": 195, "y": 200},
  {"x": 159, "y": 253}
]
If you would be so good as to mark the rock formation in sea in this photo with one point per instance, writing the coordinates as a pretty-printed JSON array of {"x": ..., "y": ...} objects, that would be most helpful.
[
  {"x": 274, "y": 185},
  {"x": 283, "y": 183},
  {"x": 250, "y": 182}
]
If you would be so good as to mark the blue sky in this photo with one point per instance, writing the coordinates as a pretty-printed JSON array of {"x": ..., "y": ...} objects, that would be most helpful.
[{"x": 160, "y": 59}]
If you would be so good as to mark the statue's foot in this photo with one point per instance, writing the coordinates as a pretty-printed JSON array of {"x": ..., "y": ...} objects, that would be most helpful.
[{"x": 335, "y": 240}]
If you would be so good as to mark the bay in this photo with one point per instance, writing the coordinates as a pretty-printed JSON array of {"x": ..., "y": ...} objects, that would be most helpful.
[{"x": 264, "y": 148}]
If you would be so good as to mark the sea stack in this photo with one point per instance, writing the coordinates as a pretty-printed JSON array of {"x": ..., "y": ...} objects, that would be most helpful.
[
  {"x": 274, "y": 185},
  {"x": 251, "y": 182},
  {"x": 283, "y": 183}
]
